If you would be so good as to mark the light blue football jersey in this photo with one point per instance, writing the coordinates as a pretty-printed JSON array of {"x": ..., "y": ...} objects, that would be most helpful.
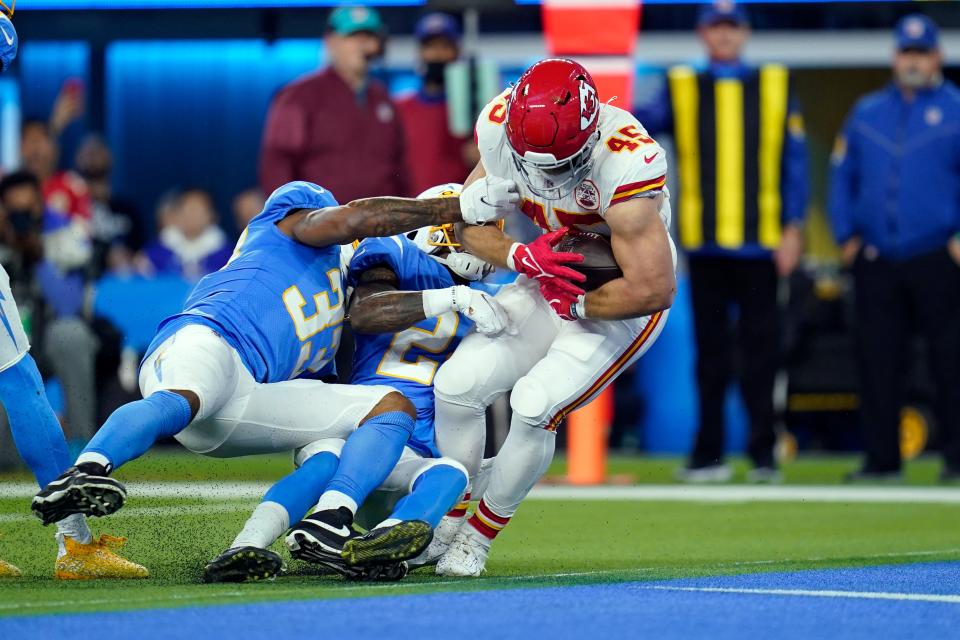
[
  {"x": 278, "y": 302},
  {"x": 409, "y": 359}
]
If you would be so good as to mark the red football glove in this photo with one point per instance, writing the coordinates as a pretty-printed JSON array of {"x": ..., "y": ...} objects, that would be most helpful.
[
  {"x": 539, "y": 261},
  {"x": 567, "y": 305}
]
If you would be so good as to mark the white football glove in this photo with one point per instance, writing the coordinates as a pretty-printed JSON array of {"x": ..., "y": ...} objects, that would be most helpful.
[
  {"x": 480, "y": 307},
  {"x": 489, "y": 198}
]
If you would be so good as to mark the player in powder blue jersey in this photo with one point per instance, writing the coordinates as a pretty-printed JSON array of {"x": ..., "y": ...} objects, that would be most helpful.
[
  {"x": 402, "y": 337},
  {"x": 229, "y": 376},
  {"x": 36, "y": 431}
]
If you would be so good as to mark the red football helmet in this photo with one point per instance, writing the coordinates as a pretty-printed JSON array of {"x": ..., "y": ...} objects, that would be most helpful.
[{"x": 551, "y": 125}]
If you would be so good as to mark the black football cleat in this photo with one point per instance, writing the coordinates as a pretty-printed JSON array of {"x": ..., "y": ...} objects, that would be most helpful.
[
  {"x": 84, "y": 489},
  {"x": 319, "y": 538},
  {"x": 392, "y": 544},
  {"x": 243, "y": 563},
  {"x": 391, "y": 572}
]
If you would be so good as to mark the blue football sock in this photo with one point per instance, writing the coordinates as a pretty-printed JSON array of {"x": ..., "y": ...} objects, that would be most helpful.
[
  {"x": 370, "y": 454},
  {"x": 134, "y": 427},
  {"x": 36, "y": 430},
  {"x": 434, "y": 493},
  {"x": 300, "y": 490}
]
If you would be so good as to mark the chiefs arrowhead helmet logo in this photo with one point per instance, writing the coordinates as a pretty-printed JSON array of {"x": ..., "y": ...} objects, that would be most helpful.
[{"x": 589, "y": 105}]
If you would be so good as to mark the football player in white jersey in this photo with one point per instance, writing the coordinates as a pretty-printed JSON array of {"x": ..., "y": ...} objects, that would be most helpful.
[{"x": 577, "y": 164}]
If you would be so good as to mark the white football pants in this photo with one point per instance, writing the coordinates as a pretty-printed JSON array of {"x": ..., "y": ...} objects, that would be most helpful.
[
  {"x": 239, "y": 416},
  {"x": 13, "y": 340},
  {"x": 552, "y": 366}
]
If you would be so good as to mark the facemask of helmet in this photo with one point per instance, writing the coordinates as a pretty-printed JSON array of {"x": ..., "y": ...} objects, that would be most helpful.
[
  {"x": 431, "y": 240},
  {"x": 554, "y": 179}
]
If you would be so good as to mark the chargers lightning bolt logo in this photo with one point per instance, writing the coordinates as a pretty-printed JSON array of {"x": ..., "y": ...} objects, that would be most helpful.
[{"x": 3, "y": 318}]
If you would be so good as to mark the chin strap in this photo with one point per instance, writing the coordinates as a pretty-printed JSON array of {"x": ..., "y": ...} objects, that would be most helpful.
[{"x": 466, "y": 266}]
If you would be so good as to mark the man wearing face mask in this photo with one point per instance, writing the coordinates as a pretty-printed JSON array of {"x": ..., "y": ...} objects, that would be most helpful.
[
  {"x": 338, "y": 127},
  {"x": 433, "y": 154},
  {"x": 895, "y": 209}
]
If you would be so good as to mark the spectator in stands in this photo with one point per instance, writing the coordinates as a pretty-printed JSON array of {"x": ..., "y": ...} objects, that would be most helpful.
[
  {"x": 54, "y": 250},
  {"x": 116, "y": 227},
  {"x": 433, "y": 154},
  {"x": 63, "y": 191},
  {"x": 246, "y": 205},
  {"x": 742, "y": 168},
  {"x": 895, "y": 208},
  {"x": 166, "y": 209},
  {"x": 338, "y": 127},
  {"x": 191, "y": 245}
]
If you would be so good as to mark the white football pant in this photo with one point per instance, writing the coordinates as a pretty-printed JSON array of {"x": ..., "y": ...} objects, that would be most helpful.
[
  {"x": 13, "y": 340},
  {"x": 239, "y": 416},
  {"x": 552, "y": 367}
]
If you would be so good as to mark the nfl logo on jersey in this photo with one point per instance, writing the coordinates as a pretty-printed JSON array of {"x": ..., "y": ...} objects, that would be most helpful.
[{"x": 587, "y": 195}]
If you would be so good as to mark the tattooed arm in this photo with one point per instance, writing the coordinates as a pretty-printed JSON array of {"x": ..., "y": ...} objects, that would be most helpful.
[
  {"x": 378, "y": 307},
  {"x": 366, "y": 218}
]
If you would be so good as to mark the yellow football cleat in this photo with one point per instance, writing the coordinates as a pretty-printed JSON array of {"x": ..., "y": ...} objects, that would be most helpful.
[
  {"x": 97, "y": 560},
  {"x": 7, "y": 570}
]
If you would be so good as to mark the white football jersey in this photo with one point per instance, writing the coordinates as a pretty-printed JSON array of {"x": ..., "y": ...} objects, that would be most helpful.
[{"x": 627, "y": 163}]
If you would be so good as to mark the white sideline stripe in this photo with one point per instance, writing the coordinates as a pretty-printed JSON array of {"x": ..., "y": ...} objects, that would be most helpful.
[
  {"x": 141, "y": 512},
  {"x": 652, "y": 493},
  {"x": 808, "y": 593},
  {"x": 279, "y": 591},
  {"x": 748, "y": 493}
]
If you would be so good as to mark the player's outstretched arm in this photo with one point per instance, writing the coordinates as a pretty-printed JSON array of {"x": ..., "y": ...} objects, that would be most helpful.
[
  {"x": 368, "y": 218},
  {"x": 487, "y": 243},
  {"x": 378, "y": 307},
  {"x": 642, "y": 250}
]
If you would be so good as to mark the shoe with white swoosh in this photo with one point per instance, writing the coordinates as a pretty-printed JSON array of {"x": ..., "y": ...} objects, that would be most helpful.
[{"x": 319, "y": 538}]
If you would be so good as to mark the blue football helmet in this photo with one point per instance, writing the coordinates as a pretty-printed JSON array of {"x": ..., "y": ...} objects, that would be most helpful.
[{"x": 9, "y": 42}]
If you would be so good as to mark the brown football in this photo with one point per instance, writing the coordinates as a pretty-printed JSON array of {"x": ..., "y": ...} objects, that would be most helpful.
[{"x": 599, "y": 265}]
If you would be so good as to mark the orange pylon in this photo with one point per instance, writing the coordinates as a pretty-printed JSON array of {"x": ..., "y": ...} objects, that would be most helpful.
[{"x": 587, "y": 430}]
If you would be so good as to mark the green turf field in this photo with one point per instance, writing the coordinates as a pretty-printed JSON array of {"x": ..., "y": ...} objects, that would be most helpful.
[{"x": 547, "y": 543}]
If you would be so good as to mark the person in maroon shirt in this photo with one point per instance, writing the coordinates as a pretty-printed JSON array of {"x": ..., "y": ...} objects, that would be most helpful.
[
  {"x": 338, "y": 127},
  {"x": 433, "y": 154}
]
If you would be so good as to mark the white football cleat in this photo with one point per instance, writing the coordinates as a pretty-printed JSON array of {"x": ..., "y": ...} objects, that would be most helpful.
[
  {"x": 443, "y": 537},
  {"x": 465, "y": 558}
]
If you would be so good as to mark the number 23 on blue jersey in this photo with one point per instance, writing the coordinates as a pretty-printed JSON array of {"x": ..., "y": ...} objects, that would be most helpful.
[{"x": 416, "y": 353}]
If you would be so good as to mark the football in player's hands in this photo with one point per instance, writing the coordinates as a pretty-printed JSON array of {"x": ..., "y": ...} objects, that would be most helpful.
[
  {"x": 599, "y": 265},
  {"x": 540, "y": 260}
]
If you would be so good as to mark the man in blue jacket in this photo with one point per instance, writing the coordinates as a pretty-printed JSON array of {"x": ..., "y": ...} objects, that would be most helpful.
[{"x": 895, "y": 208}]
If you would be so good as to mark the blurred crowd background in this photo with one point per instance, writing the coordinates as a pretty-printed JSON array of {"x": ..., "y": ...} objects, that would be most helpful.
[{"x": 137, "y": 143}]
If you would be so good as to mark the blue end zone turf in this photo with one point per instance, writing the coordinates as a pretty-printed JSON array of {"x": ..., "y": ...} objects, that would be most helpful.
[{"x": 869, "y": 603}]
